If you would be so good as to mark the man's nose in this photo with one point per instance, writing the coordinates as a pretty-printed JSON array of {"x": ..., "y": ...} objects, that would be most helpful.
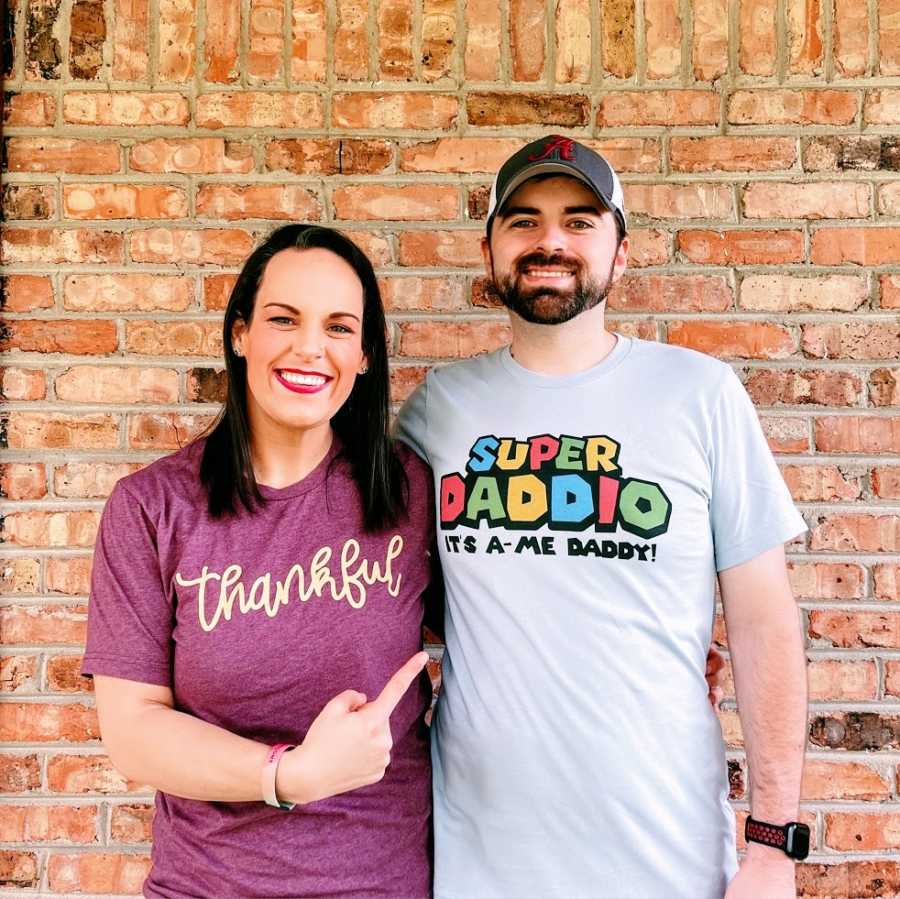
[{"x": 551, "y": 239}]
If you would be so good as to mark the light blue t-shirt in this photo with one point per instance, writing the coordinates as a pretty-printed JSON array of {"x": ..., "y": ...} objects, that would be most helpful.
[{"x": 581, "y": 522}]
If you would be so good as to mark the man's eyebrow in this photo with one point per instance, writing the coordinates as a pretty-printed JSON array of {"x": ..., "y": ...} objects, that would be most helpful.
[
  {"x": 296, "y": 311},
  {"x": 509, "y": 211},
  {"x": 581, "y": 210}
]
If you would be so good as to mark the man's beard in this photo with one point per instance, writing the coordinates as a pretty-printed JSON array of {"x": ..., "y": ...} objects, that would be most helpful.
[{"x": 549, "y": 305}]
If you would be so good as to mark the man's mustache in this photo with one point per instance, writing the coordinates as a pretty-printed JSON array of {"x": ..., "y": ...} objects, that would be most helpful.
[{"x": 539, "y": 260}]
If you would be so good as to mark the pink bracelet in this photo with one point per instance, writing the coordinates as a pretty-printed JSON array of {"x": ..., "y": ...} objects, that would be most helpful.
[{"x": 269, "y": 773}]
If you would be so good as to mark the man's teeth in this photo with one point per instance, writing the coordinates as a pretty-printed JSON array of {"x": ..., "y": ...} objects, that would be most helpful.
[
  {"x": 304, "y": 380},
  {"x": 546, "y": 273}
]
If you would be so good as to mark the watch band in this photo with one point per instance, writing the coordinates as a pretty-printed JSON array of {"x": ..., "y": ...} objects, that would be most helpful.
[
  {"x": 791, "y": 838},
  {"x": 269, "y": 773}
]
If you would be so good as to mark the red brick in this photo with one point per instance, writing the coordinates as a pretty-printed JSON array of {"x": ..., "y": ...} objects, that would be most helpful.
[
  {"x": 233, "y": 202},
  {"x": 854, "y": 832},
  {"x": 63, "y": 336},
  {"x": 124, "y": 201},
  {"x": 819, "y": 483},
  {"x": 131, "y": 56},
  {"x": 889, "y": 37},
  {"x": 19, "y": 773},
  {"x": 758, "y": 37},
  {"x": 28, "y": 202},
  {"x": 206, "y": 385},
  {"x": 884, "y": 387},
  {"x": 180, "y": 338},
  {"x": 58, "y": 154},
  {"x": 191, "y": 156},
  {"x": 805, "y": 33},
  {"x": 546, "y": 110},
  {"x": 857, "y": 533},
  {"x": 629, "y": 154},
  {"x": 87, "y": 35},
  {"x": 837, "y": 153},
  {"x": 784, "y": 293},
  {"x": 100, "y": 873},
  {"x": 48, "y": 823},
  {"x": 58, "y": 430},
  {"x": 177, "y": 40},
  {"x": 842, "y": 780},
  {"x": 851, "y": 37},
  {"x": 732, "y": 154},
  {"x": 43, "y": 54},
  {"x": 680, "y": 201},
  {"x": 743, "y": 340},
  {"x": 662, "y": 29},
  {"x": 395, "y": 38},
  {"x": 23, "y": 480},
  {"x": 265, "y": 40},
  {"x": 20, "y": 576},
  {"x": 886, "y": 581},
  {"x": 222, "y": 40},
  {"x": 617, "y": 37},
  {"x": 410, "y": 202},
  {"x": 309, "y": 40},
  {"x": 85, "y": 774},
  {"x": 216, "y": 290},
  {"x": 30, "y": 110},
  {"x": 124, "y": 108},
  {"x": 328, "y": 156},
  {"x": 165, "y": 430},
  {"x": 863, "y": 246},
  {"x": 18, "y": 869},
  {"x": 824, "y": 199},
  {"x": 882, "y": 107},
  {"x": 394, "y": 110},
  {"x": 22, "y": 384},
  {"x": 741, "y": 247},
  {"x": 671, "y": 293},
  {"x": 127, "y": 293},
  {"x": 257, "y": 109},
  {"x": 64, "y": 676},
  {"x": 573, "y": 41},
  {"x": 19, "y": 674},
  {"x": 830, "y": 679},
  {"x": 865, "y": 434},
  {"x": 852, "y": 340},
  {"x": 648, "y": 246},
  {"x": 886, "y": 481},
  {"x": 826, "y": 580},
  {"x": 443, "y": 248},
  {"x": 527, "y": 39},
  {"x": 483, "y": 40},
  {"x": 25, "y": 293},
  {"x": 52, "y": 247},
  {"x": 131, "y": 823},
  {"x": 856, "y": 629},
  {"x": 458, "y": 154},
  {"x": 405, "y": 379},
  {"x": 36, "y": 528},
  {"x": 351, "y": 49},
  {"x": 892, "y": 678},
  {"x": 889, "y": 202},
  {"x": 107, "y": 384},
  {"x": 452, "y": 340},
  {"x": 45, "y": 722},
  {"x": 69, "y": 575},
  {"x": 770, "y": 387},
  {"x": 785, "y": 435},
  {"x": 667, "y": 108},
  {"x": 791, "y": 107},
  {"x": 427, "y": 294},
  {"x": 374, "y": 244},
  {"x": 210, "y": 246},
  {"x": 710, "y": 39},
  {"x": 90, "y": 480}
]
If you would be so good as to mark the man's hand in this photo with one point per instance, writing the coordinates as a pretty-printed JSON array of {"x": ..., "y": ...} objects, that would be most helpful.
[
  {"x": 348, "y": 745},
  {"x": 765, "y": 873},
  {"x": 715, "y": 675}
]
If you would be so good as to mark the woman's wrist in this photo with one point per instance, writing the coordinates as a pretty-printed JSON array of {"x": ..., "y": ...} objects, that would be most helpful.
[{"x": 290, "y": 780}]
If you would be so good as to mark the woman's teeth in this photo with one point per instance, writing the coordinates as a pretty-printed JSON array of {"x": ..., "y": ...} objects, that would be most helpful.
[{"x": 303, "y": 380}]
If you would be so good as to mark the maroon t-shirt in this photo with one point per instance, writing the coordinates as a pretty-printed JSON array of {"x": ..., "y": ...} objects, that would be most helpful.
[{"x": 256, "y": 622}]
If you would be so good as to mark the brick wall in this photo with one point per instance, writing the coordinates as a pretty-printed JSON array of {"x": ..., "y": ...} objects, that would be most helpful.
[{"x": 148, "y": 144}]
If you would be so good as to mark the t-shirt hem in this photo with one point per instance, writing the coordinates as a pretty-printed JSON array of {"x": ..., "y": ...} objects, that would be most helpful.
[
  {"x": 789, "y": 529},
  {"x": 110, "y": 666}
]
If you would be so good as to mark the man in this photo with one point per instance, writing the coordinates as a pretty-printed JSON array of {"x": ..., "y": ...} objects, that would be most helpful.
[{"x": 590, "y": 487}]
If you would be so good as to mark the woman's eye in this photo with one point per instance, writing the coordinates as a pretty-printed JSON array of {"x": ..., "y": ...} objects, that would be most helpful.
[
  {"x": 341, "y": 329},
  {"x": 281, "y": 320}
]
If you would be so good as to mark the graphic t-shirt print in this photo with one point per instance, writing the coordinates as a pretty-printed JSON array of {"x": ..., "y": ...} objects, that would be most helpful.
[
  {"x": 563, "y": 483},
  {"x": 341, "y": 576}
]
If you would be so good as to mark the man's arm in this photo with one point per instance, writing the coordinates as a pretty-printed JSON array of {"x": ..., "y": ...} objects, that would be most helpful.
[{"x": 767, "y": 655}]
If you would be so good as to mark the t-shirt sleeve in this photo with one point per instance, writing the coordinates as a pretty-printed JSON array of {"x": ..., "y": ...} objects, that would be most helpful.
[
  {"x": 751, "y": 509},
  {"x": 130, "y": 614},
  {"x": 412, "y": 422}
]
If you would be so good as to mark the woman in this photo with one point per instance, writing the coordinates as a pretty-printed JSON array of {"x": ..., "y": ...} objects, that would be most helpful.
[{"x": 263, "y": 586}]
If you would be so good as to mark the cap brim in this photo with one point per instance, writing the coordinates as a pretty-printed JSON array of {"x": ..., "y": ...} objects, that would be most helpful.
[{"x": 549, "y": 168}]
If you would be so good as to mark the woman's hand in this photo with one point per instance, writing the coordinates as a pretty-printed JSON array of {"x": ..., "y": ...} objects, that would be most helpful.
[{"x": 348, "y": 745}]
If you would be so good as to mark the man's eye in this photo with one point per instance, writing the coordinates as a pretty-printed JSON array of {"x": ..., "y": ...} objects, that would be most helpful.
[
  {"x": 581, "y": 224},
  {"x": 522, "y": 223}
]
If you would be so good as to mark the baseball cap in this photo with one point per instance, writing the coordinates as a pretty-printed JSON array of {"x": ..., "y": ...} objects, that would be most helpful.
[{"x": 561, "y": 156}]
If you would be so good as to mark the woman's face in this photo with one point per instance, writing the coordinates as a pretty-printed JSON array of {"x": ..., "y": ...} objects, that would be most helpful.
[{"x": 303, "y": 346}]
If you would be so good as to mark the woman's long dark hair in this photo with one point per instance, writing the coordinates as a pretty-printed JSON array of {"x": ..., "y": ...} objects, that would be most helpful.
[{"x": 226, "y": 469}]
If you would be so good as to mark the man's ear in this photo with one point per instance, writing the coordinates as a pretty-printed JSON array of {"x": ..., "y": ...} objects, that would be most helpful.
[
  {"x": 486, "y": 255},
  {"x": 621, "y": 261}
]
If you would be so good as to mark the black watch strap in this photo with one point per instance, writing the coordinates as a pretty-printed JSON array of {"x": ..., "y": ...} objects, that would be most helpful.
[{"x": 791, "y": 838}]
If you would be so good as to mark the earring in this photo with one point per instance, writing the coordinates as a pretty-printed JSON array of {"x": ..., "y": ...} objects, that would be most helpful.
[
  {"x": 236, "y": 350},
  {"x": 364, "y": 369}
]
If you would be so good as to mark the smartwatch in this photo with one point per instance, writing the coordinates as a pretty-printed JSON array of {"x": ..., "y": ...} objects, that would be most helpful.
[{"x": 791, "y": 838}]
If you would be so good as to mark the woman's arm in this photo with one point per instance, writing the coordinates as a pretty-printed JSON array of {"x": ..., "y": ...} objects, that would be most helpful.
[{"x": 346, "y": 747}]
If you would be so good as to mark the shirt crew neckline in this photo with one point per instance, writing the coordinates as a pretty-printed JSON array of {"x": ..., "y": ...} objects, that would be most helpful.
[
  {"x": 524, "y": 375},
  {"x": 314, "y": 479}
]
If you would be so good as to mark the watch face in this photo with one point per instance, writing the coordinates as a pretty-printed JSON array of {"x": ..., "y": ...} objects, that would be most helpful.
[{"x": 797, "y": 844}]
